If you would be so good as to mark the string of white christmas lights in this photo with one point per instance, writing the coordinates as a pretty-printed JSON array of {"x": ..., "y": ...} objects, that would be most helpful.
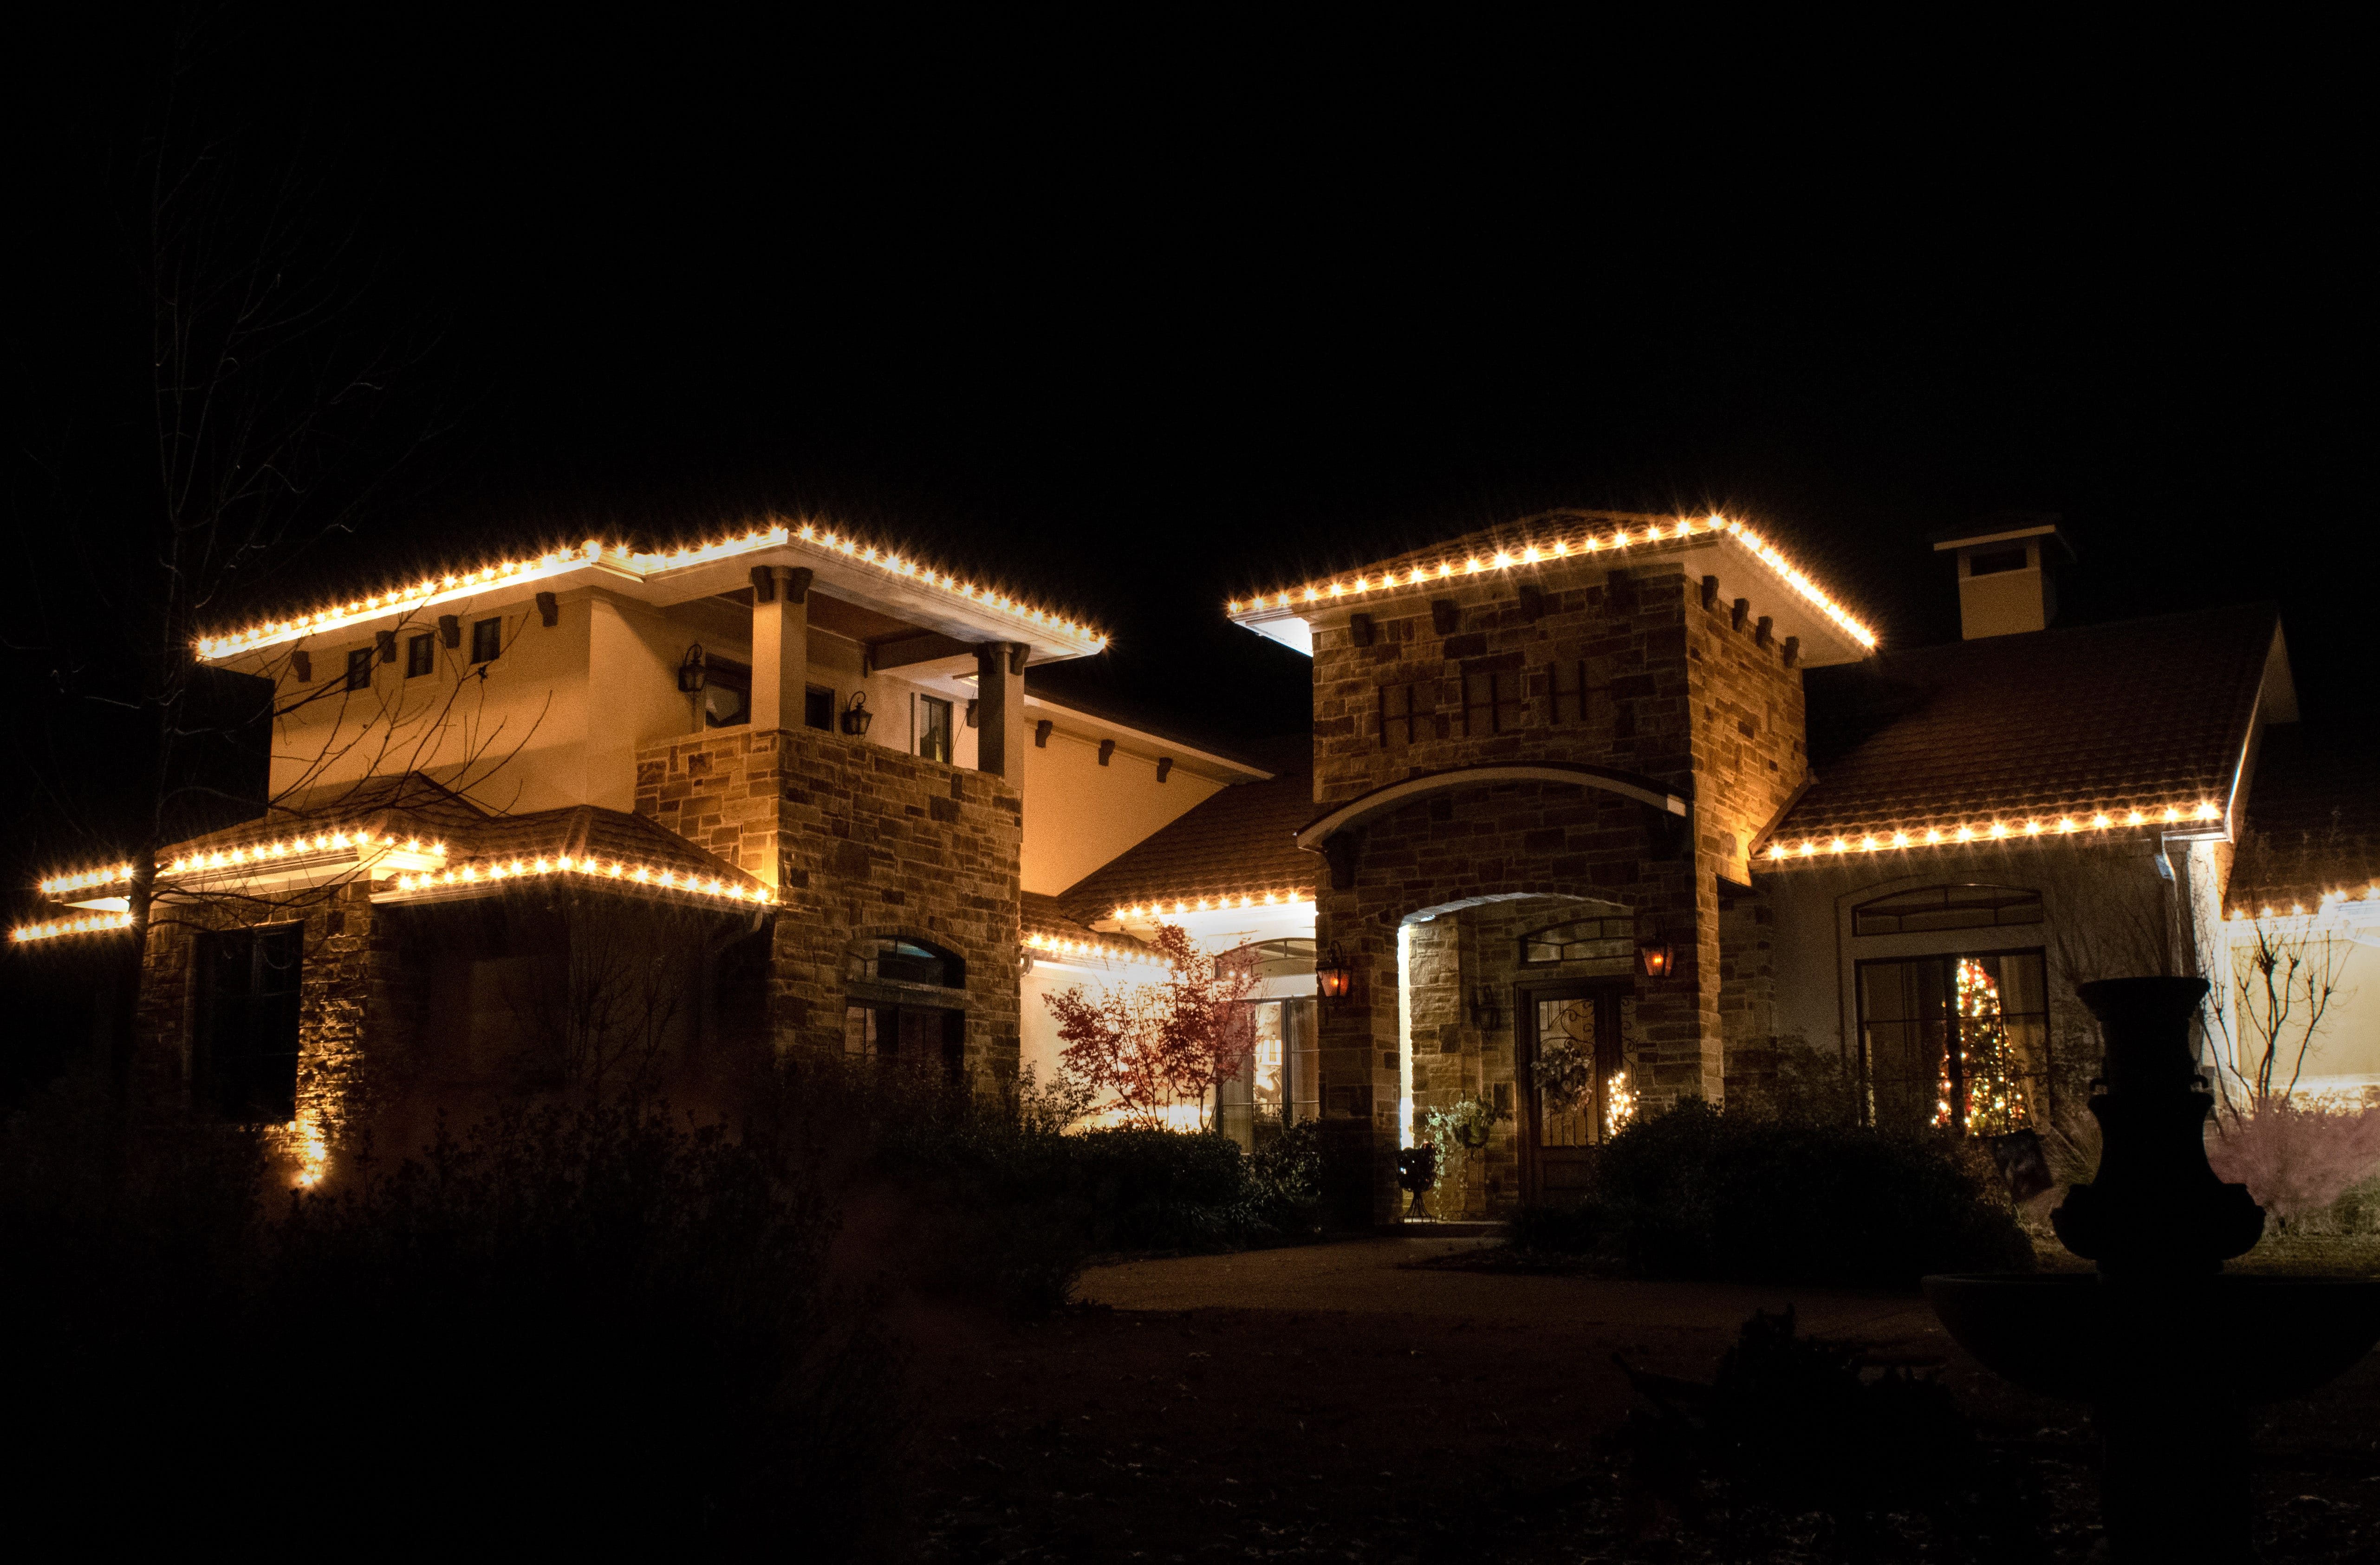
[
  {"x": 1062, "y": 945},
  {"x": 88, "y": 923},
  {"x": 1162, "y": 908},
  {"x": 1990, "y": 830},
  {"x": 1592, "y": 542},
  {"x": 597, "y": 869},
  {"x": 808, "y": 535}
]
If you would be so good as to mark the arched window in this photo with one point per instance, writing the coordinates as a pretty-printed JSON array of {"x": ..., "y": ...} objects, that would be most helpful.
[
  {"x": 1945, "y": 907},
  {"x": 914, "y": 962},
  {"x": 1582, "y": 940}
]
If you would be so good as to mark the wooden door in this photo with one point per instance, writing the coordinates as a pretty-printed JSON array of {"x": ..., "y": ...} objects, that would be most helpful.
[{"x": 1576, "y": 1026}]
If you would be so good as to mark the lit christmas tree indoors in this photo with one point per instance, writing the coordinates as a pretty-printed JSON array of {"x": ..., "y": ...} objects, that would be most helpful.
[{"x": 1991, "y": 1077}]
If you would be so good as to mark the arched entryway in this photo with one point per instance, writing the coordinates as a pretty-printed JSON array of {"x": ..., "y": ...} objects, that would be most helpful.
[{"x": 1522, "y": 1006}]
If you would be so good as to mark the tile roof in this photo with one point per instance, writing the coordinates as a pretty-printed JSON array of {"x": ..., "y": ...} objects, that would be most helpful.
[
  {"x": 1043, "y": 920},
  {"x": 406, "y": 805},
  {"x": 608, "y": 835},
  {"x": 2144, "y": 714},
  {"x": 2313, "y": 826},
  {"x": 1240, "y": 840},
  {"x": 411, "y": 806}
]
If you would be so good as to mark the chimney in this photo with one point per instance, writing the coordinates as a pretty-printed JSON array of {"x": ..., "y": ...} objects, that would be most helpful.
[{"x": 2008, "y": 571}]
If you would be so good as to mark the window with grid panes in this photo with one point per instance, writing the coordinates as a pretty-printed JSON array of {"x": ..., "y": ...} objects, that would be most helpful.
[
  {"x": 1493, "y": 701},
  {"x": 1401, "y": 708}
]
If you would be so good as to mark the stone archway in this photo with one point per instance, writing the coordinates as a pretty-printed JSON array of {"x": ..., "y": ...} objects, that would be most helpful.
[
  {"x": 1473, "y": 994},
  {"x": 1478, "y": 841}
]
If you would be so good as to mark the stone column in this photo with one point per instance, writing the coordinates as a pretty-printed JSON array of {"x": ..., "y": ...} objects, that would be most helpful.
[
  {"x": 781, "y": 645},
  {"x": 1000, "y": 710}
]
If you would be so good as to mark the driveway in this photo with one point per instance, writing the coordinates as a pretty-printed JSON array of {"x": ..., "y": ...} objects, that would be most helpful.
[{"x": 1374, "y": 1277}]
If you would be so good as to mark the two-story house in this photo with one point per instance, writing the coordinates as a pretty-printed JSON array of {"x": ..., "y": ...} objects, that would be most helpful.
[{"x": 1632, "y": 794}]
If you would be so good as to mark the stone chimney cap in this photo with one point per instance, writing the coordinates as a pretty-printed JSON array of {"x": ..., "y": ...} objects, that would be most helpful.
[{"x": 2001, "y": 526}]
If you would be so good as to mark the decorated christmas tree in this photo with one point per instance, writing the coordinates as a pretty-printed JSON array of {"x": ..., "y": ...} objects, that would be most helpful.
[{"x": 1992, "y": 1075}]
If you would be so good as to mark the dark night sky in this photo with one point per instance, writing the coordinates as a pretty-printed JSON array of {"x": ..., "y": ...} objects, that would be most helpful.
[{"x": 1135, "y": 322}]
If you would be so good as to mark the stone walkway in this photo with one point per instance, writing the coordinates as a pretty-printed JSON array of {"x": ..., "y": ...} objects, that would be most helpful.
[{"x": 1371, "y": 1276}]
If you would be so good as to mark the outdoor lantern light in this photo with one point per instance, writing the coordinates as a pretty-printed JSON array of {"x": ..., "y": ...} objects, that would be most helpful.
[
  {"x": 856, "y": 717},
  {"x": 689, "y": 672},
  {"x": 1332, "y": 977},
  {"x": 1655, "y": 959}
]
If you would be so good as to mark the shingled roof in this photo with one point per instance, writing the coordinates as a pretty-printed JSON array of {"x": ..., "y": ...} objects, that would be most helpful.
[
  {"x": 2314, "y": 827},
  {"x": 1237, "y": 842},
  {"x": 1043, "y": 922},
  {"x": 2028, "y": 731}
]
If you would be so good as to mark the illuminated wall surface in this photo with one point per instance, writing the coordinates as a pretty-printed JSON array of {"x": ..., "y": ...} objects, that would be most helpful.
[{"x": 826, "y": 892}]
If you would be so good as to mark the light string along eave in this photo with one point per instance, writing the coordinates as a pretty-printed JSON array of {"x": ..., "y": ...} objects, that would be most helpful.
[
  {"x": 596, "y": 868},
  {"x": 1591, "y": 543},
  {"x": 1992, "y": 829},
  {"x": 828, "y": 541}
]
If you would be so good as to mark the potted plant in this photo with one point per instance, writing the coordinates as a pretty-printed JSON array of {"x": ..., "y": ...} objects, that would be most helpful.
[{"x": 1417, "y": 1174}]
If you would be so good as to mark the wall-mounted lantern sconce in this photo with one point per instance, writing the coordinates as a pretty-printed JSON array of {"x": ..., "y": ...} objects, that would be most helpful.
[
  {"x": 690, "y": 671},
  {"x": 1332, "y": 977},
  {"x": 1655, "y": 959},
  {"x": 856, "y": 717},
  {"x": 1486, "y": 1015}
]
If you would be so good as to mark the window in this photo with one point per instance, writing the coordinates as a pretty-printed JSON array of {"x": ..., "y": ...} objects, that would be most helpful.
[
  {"x": 1566, "y": 692},
  {"x": 1945, "y": 907},
  {"x": 912, "y": 962},
  {"x": 421, "y": 655},
  {"x": 817, "y": 709},
  {"x": 934, "y": 729},
  {"x": 920, "y": 1038},
  {"x": 1493, "y": 700},
  {"x": 246, "y": 1036},
  {"x": 1279, "y": 1085},
  {"x": 1586, "y": 940},
  {"x": 1399, "y": 705},
  {"x": 360, "y": 662},
  {"x": 1959, "y": 1041},
  {"x": 487, "y": 640},
  {"x": 726, "y": 693}
]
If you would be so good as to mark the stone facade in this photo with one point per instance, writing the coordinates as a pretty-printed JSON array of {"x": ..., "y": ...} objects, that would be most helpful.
[
  {"x": 347, "y": 999},
  {"x": 862, "y": 844},
  {"x": 1646, "y": 672},
  {"x": 1464, "y": 1048}
]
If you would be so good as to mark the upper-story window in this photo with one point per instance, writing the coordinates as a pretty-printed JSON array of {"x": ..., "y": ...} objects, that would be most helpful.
[
  {"x": 421, "y": 655},
  {"x": 487, "y": 640},
  {"x": 1493, "y": 700},
  {"x": 360, "y": 662},
  {"x": 1945, "y": 907},
  {"x": 934, "y": 729}
]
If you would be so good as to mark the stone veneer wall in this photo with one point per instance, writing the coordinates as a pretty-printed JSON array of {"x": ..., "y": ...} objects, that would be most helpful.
[
  {"x": 861, "y": 843},
  {"x": 1671, "y": 692},
  {"x": 348, "y": 995},
  {"x": 1459, "y": 1052}
]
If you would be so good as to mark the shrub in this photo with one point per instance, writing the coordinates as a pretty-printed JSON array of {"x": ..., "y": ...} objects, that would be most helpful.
[
  {"x": 1693, "y": 1192},
  {"x": 2295, "y": 1158},
  {"x": 567, "y": 1324}
]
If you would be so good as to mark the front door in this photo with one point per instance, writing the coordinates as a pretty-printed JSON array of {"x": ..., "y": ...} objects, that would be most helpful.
[{"x": 1572, "y": 1077}]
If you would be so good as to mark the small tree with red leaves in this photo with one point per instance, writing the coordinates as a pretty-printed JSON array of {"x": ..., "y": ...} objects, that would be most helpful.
[{"x": 1156, "y": 1045}]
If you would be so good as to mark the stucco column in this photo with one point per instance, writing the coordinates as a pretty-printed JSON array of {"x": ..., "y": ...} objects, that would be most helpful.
[
  {"x": 781, "y": 645},
  {"x": 1000, "y": 710}
]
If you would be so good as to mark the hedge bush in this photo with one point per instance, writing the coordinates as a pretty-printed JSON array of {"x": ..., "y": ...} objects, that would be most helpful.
[{"x": 1698, "y": 1194}]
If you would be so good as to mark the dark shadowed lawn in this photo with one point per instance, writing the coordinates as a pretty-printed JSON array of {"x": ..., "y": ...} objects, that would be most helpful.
[{"x": 1331, "y": 1403}]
